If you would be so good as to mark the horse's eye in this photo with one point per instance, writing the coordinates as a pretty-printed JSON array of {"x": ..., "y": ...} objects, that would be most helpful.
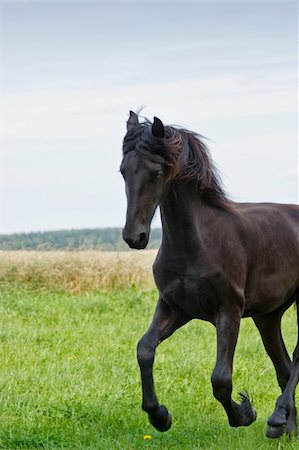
[{"x": 156, "y": 175}]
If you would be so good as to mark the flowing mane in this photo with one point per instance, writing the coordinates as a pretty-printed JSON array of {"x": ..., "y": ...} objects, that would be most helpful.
[{"x": 185, "y": 155}]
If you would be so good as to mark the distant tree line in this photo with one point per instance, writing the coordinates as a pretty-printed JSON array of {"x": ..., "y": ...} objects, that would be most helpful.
[{"x": 93, "y": 239}]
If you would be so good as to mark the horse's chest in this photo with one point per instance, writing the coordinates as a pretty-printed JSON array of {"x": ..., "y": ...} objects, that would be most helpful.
[{"x": 193, "y": 293}]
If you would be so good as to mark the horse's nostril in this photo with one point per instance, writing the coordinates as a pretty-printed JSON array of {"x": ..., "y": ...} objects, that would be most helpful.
[{"x": 142, "y": 237}]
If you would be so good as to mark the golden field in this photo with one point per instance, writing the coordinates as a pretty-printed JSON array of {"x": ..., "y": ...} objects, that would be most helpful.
[{"x": 77, "y": 271}]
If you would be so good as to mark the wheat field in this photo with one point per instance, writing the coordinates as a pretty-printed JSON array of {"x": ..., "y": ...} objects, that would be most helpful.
[{"x": 78, "y": 271}]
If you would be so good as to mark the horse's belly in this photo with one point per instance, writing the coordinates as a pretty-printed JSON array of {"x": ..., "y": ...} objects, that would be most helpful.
[
  {"x": 269, "y": 293},
  {"x": 200, "y": 295},
  {"x": 255, "y": 307}
]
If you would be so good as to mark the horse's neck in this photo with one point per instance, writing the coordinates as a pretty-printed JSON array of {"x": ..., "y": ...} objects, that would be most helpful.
[{"x": 183, "y": 215}]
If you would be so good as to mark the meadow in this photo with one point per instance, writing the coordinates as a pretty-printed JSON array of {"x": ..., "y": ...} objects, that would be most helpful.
[{"x": 69, "y": 378}]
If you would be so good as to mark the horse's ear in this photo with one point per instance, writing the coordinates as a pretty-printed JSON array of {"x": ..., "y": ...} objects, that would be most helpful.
[
  {"x": 158, "y": 128},
  {"x": 132, "y": 121}
]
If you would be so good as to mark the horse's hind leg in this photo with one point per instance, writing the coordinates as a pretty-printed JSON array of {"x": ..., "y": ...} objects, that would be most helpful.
[
  {"x": 165, "y": 321},
  {"x": 284, "y": 417},
  {"x": 227, "y": 326},
  {"x": 269, "y": 327}
]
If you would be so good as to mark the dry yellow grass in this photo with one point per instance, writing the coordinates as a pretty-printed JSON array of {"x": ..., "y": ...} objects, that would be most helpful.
[{"x": 78, "y": 271}]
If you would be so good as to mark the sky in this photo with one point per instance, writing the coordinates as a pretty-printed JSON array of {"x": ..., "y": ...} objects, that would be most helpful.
[{"x": 70, "y": 71}]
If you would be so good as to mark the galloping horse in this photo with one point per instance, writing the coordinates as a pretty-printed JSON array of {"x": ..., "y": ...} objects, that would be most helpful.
[{"x": 219, "y": 261}]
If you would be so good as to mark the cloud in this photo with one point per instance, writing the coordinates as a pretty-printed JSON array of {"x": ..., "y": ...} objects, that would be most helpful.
[
  {"x": 96, "y": 112},
  {"x": 292, "y": 172}
]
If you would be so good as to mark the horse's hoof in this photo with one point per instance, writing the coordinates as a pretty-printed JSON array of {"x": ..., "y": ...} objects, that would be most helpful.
[
  {"x": 275, "y": 432},
  {"x": 247, "y": 413},
  {"x": 161, "y": 420}
]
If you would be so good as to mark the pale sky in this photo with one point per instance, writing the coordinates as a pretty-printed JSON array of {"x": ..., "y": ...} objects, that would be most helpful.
[{"x": 71, "y": 71}]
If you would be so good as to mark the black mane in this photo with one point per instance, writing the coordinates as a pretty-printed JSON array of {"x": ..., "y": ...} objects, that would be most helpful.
[{"x": 186, "y": 156}]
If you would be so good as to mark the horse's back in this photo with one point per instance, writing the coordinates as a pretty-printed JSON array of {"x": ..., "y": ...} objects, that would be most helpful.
[{"x": 271, "y": 221}]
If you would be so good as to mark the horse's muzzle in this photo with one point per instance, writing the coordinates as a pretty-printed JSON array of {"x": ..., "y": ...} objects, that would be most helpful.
[{"x": 136, "y": 240}]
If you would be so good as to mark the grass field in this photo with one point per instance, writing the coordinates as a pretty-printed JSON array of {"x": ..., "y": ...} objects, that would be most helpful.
[{"x": 69, "y": 377}]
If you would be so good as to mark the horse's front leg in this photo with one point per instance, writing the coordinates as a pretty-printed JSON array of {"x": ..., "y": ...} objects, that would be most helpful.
[
  {"x": 165, "y": 321},
  {"x": 227, "y": 326}
]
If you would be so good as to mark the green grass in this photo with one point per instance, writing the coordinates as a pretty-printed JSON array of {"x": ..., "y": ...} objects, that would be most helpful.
[{"x": 69, "y": 377}]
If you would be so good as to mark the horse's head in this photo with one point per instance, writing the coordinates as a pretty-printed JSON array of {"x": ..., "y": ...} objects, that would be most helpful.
[{"x": 144, "y": 169}]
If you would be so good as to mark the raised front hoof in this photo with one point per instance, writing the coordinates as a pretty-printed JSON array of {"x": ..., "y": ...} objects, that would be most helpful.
[
  {"x": 275, "y": 432},
  {"x": 161, "y": 419},
  {"x": 251, "y": 417},
  {"x": 246, "y": 414}
]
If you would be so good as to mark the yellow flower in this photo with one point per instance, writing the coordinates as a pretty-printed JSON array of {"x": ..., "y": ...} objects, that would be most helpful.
[{"x": 147, "y": 437}]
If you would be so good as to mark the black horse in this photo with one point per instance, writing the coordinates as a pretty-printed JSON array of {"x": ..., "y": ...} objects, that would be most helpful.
[{"x": 219, "y": 261}]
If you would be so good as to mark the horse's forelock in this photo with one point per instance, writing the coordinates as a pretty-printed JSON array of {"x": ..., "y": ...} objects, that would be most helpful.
[{"x": 184, "y": 154}]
